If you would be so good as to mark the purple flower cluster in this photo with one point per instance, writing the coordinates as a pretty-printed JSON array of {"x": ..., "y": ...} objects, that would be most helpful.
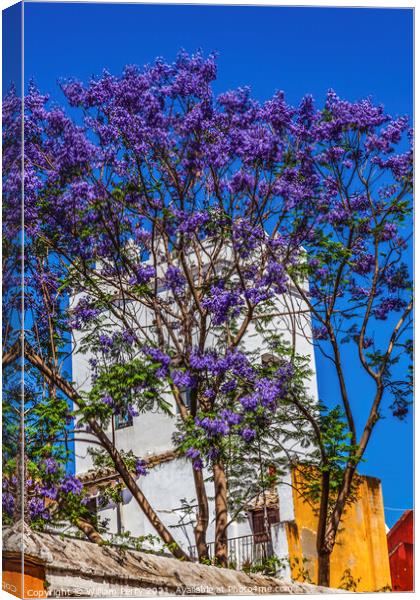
[
  {"x": 8, "y": 503},
  {"x": 320, "y": 333},
  {"x": 107, "y": 399},
  {"x": 267, "y": 391},
  {"x": 183, "y": 379},
  {"x": 71, "y": 485},
  {"x": 189, "y": 223},
  {"x": 141, "y": 467},
  {"x": 223, "y": 304},
  {"x": 213, "y": 426},
  {"x": 106, "y": 342},
  {"x": 83, "y": 314},
  {"x": 388, "y": 305},
  {"x": 50, "y": 465},
  {"x": 37, "y": 508},
  {"x": 49, "y": 492},
  {"x": 159, "y": 357},
  {"x": 175, "y": 280},
  {"x": 143, "y": 274},
  {"x": 248, "y": 434},
  {"x": 194, "y": 455},
  {"x": 246, "y": 237},
  {"x": 234, "y": 361},
  {"x": 132, "y": 411}
]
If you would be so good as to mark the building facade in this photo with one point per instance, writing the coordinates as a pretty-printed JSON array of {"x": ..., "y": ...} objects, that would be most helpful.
[
  {"x": 401, "y": 553},
  {"x": 169, "y": 485}
]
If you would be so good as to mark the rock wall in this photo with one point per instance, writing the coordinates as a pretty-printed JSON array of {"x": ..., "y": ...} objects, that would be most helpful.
[{"x": 74, "y": 568}]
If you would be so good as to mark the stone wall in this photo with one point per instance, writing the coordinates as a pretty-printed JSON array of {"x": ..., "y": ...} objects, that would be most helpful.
[{"x": 69, "y": 567}]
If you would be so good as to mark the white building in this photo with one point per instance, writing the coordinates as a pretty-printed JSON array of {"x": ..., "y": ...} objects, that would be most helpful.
[{"x": 169, "y": 483}]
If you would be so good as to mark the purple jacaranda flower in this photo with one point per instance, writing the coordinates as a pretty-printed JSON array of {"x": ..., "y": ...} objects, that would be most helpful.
[
  {"x": 37, "y": 508},
  {"x": 320, "y": 333},
  {"x": 8, "y": 503},
  {"x": 128, "y": 337},
  {"x": 248, "y": 434},
  {"x": 192, "y": 453},
  {"x": 175, "y": 279},
  {"x": 250, "y": 402},
  {"x": 213, "y": 426},
  {"x": 222, "y": 304},
  {"x": 84, "y": 313},
  {"x": 132, "y": 411},
  {"x": 106, "y": 342},
  {"x": 71, "y": 485},
  {"x": 50, "y": 465},
  {"x": 158, "y": 356},
  {"x": 198, "y": 464},
  {"x": 107, "y": 399},
  {"x": 213, "y": 453},
  {"x": 143, "y": 274},
  {"x": 141, "y": 467},
  {"x": 228, "y": 386},
  {"x": 386, "y": 306},
  {"x": 230, "y": 417},
  {"x": 49, "y": 492},
  {"x": 183, "y": 379}
]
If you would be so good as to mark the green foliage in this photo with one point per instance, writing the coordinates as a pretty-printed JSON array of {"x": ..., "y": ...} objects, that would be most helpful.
[
  {"x": 348, "y": 582},
  {"x": 143, "y": 543},
  {"x": 127, "y": 383},
  {"x": 102, "y": 459},
  {"x": 338, "y": 451},
  {"x": 300, "y": 567},
  {"x": 266, "y": 566}
]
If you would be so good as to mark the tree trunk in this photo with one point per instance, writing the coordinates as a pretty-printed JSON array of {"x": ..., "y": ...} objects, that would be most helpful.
[
  {"x": 324, "y": 568},
  {"x": 323, "y": 554},
  {"x": 89, "y": 530},
  {"x": 116, "y": 457},
  {"x": 220, "y": 499},
  {"x": 200, "y": 529}
]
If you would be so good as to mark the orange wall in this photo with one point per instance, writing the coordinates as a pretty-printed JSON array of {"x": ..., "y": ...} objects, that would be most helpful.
[
  {"x": 32, "y": 582},
  {"x": 361, "y": 545}
]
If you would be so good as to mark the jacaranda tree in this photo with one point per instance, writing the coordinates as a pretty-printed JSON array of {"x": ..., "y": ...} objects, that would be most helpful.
[{"x": 178, "y": 224}]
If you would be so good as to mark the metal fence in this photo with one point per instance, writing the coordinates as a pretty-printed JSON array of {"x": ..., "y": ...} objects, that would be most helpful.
[{"x": 243, "y": 551}]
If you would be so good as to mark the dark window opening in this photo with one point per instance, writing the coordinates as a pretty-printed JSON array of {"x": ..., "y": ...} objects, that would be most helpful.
[
  {"x": 92, "y": 506},
  {"x": 123, "y": 420},
  {"x": 260, "y": 528}
]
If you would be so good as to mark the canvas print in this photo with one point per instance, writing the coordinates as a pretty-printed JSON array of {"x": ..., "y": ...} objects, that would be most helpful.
[{"x": 207, "y": 300}]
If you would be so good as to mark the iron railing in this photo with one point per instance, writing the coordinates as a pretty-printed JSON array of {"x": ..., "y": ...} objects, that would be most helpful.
[{"x": 243, "y": 551}]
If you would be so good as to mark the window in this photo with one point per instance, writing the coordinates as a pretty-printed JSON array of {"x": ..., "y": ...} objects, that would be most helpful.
[
  {"x": 123, "y": 420},
  {"x": 259, "y": 526}
]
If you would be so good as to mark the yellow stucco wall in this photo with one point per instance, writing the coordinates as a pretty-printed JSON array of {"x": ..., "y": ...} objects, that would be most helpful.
[{"x": 361, "y": 543}]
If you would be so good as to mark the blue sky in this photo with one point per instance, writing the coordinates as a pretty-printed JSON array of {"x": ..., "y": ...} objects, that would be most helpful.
[{"x": 357, "y": 52}]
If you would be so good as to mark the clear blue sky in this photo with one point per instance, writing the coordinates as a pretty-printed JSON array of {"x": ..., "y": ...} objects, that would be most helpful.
[{"x": 358, "y": 52}]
